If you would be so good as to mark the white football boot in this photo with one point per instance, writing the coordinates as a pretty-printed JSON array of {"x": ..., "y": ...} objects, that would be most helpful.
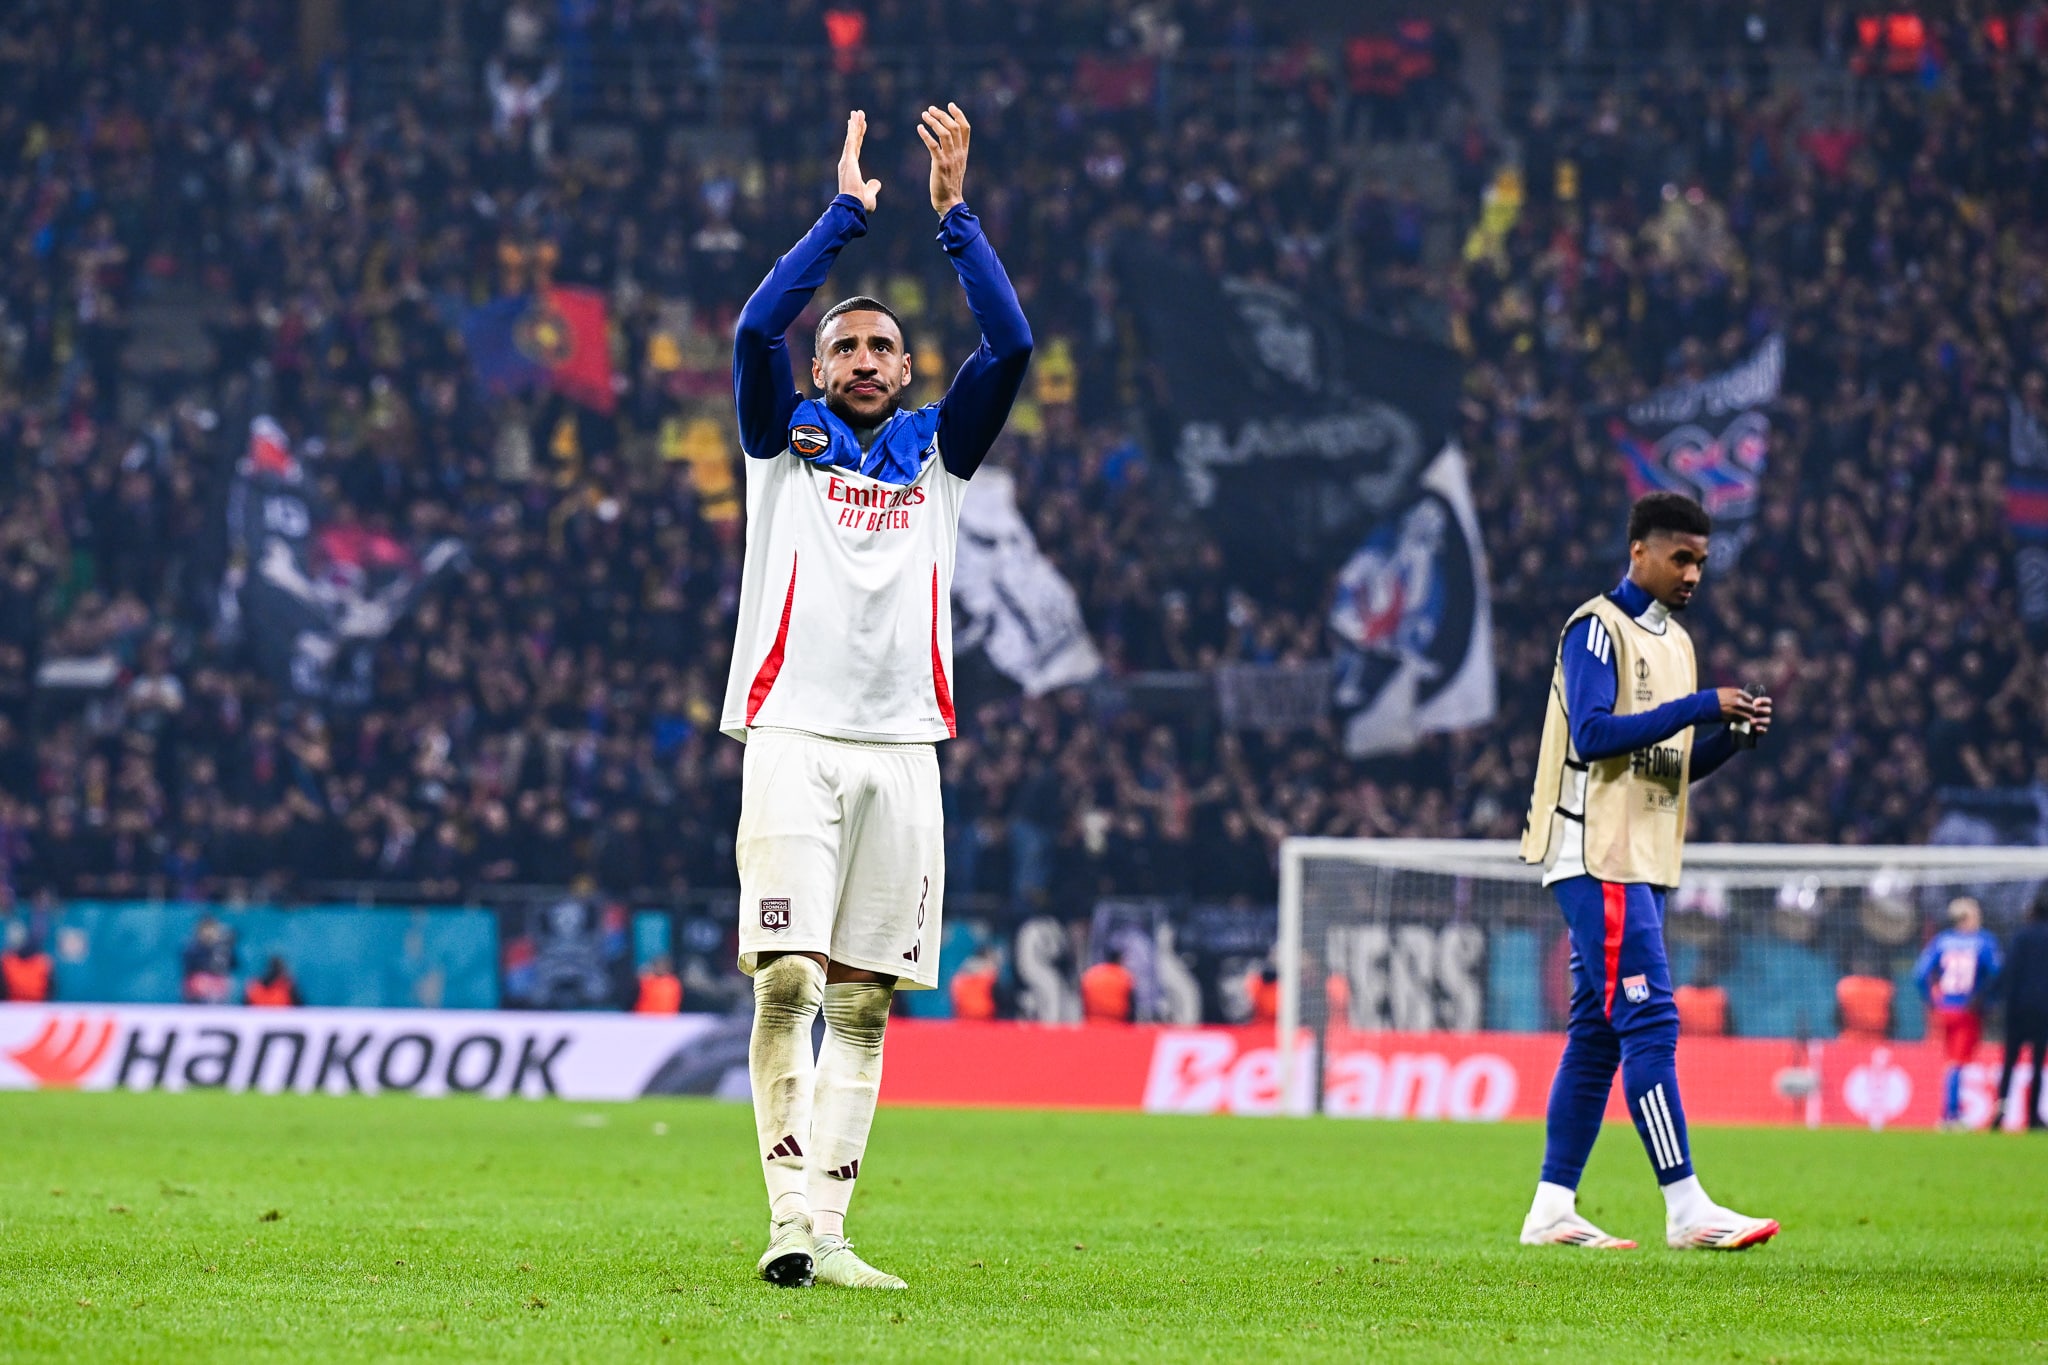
[
  {"x": 836, "y": 1264},
  {"x": 787, "y": 1263},
  {"x": 1721, "y": 1230},
  {"x": 1570, "y": 1231}
]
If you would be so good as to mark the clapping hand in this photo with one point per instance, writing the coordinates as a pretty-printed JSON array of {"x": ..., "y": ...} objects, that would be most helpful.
[
  {"x": 850, "y": 181},
  {"x": 945, "y": 133}
]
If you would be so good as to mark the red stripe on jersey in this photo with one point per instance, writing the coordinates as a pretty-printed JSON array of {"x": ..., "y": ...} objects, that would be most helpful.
[
  {"x": 1614, "y": 904},
  {"x": 772, "y": 665},
  {"x": 945, "y": 693}
]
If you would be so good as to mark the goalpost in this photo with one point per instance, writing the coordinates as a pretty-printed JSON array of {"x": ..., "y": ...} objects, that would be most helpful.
[{"x": 1427, "y": 977}]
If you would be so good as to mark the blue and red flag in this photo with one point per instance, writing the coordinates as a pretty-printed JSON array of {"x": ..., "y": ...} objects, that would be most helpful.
[
  {"x": 2026, "y": 507},
  {"x": 556, "y": 336},
  {"x": 1707, "y": 438}
]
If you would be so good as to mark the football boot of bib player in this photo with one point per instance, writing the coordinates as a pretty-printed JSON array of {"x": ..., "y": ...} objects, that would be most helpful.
[
  {"x": 1570, "y": 1230},
  {"x": 1719, "y": 1229}
]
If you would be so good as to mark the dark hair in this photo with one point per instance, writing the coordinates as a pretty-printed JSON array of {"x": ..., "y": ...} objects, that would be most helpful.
[
  {"x": 859, "y": 303},
  {"x": 1656, "y": 512}
]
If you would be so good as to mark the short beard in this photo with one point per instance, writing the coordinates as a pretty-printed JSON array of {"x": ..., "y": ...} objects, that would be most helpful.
[{"x": 845, "y": 413}]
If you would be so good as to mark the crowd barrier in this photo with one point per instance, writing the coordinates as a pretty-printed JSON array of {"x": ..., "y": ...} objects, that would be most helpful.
[{"x": 1467, "y": 1077}]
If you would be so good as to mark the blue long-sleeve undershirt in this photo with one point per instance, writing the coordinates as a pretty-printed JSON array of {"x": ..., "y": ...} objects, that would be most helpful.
[
  {"x": 1590, "y": 688},
  {"x": 976, "y": 404}
]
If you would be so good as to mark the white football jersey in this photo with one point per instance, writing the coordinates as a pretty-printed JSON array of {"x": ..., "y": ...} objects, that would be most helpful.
[{"x": 845, "y": 616}]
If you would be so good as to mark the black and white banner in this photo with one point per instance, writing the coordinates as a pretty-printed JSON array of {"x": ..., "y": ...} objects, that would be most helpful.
[
  {"x": 342, "y": 1051},
  {"x": 1708, "y": 440},
  {"x": 1294, "y": 430},
  {"x": 1012, "y": 602},
  {"x": 1414, "y": 620},
  {"x": 313, "y": 597}
]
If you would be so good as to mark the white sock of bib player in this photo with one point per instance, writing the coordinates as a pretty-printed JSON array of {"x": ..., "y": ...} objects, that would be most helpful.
[
  {"x": 849, "y": 1077},
  {"x": 786, "y": 996},
  {"x": 1552, "y": 1203},
  {"x": 1686, "y": 1203}
]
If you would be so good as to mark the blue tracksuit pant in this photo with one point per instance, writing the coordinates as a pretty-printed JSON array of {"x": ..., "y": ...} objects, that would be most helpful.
[{"x": 1622, "y": 1014}]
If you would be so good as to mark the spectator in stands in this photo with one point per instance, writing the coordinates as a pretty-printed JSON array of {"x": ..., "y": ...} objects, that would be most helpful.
[
  {"x": 1262, "y": 994},
  {"x": 2026, "y": 1011},
  {"x": 25, "y": 969},
  {"x": 209, "y": 963},
  {"x": 661, "y": 990},
  {"x": 275, "y": 989},
  {"x": 1702, "y": 1009},
  {"x": 1863, "y": 1003},
  {"x": 1337, "y": 999},
  {"x": 1108, "y": 991},
  {"x": 973, "y": 988}
]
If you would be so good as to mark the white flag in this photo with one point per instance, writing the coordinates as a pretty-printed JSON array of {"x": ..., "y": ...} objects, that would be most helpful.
[
  {"x": 1413, "y": 610},
  {"x": 1012, "y": 601}
]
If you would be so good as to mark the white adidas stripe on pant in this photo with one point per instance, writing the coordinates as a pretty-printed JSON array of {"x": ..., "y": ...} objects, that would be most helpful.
[{"x": 1663, "y": 1133}]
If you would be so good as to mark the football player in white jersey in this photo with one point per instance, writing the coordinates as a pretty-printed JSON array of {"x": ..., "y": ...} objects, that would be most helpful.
[{"x": 842, "y": 682}]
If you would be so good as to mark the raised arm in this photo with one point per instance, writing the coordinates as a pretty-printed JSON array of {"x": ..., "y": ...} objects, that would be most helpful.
[
  {"x": 978, "y": 403},
  {"x": 763, "y": 388}
]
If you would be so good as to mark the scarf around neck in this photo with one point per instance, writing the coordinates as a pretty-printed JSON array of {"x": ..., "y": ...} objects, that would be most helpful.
[{"x": 896, "y": 455}]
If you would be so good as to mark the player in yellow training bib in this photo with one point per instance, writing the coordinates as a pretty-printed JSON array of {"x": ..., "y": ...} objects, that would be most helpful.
[{"x": 1607, "y": 824}]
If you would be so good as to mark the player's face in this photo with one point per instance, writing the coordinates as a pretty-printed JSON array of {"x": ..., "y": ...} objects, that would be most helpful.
[
  {"x": 862, "y": 367},
  {"x": 1668, "y": 565}
]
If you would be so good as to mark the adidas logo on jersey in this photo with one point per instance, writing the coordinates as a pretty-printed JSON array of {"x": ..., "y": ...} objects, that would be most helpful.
[
  {"x": 846, "y": 1172},
  {"x": 786, "y": 1147}
]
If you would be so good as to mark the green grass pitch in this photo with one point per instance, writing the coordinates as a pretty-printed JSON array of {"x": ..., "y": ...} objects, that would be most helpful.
[{"x": 299, "y": 1228}]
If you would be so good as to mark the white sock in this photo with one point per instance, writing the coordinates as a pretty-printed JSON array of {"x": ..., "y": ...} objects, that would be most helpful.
[
  {"x": 1686, "y": 1203},
  {"x": 1552, "y": 1203},
  {"x": 849, "y": 1078},
  {"x": 780, "y": 1068}
]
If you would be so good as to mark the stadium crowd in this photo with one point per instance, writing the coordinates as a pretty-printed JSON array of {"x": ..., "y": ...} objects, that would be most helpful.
[{"x": 547, "y": 712}]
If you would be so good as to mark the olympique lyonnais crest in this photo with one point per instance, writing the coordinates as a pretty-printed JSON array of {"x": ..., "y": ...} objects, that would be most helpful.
[
  {"x": 542, "y": 336},
  {"x": 1411, "y": 623},
  {"x": 1635, "y": 989},
  {"x": 1407, "y": 593},
  {"x": 775, "y": 913},
  {"x": 557, "y": 336}
]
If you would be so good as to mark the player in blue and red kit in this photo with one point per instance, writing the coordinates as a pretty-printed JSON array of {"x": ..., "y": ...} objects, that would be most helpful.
[{"x": 1955, "y": 973}]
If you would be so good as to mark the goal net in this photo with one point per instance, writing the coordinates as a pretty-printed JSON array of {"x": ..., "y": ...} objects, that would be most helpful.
[{"x": 1425, "y": 978}]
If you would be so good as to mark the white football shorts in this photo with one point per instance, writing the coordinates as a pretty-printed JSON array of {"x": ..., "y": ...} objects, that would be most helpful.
[{"x": 841, "y": 850}]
